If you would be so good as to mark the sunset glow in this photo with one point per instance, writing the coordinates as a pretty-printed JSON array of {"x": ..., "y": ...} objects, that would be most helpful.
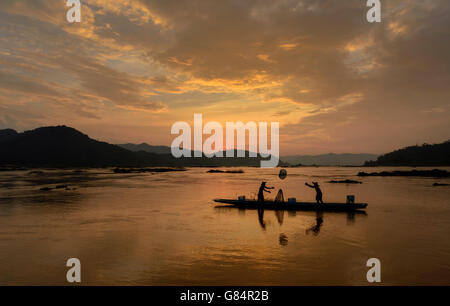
[{"x": 130, "y": 69}]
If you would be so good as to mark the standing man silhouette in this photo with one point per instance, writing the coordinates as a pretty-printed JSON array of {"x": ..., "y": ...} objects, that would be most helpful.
[
  {"x": 263, "y": 188},
  {"x": 315, "y": 185}
]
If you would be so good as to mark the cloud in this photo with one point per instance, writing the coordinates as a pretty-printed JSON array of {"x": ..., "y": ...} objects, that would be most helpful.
[
  {"x": 66, "y": 72},
  {"x": 318, "y": 65}
]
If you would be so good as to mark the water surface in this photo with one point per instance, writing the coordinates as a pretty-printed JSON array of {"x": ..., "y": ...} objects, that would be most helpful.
[{"x": 164, "y": 229}]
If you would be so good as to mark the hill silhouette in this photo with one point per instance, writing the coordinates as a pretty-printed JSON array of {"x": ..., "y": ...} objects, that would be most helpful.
[
  {"x": 7, "y": 134},
  {"x": 424, "y": 155},
  {"x": 146, "y": 148},
  {"x": 63, "y": 146},
  {"x": 330, "y": 159}
]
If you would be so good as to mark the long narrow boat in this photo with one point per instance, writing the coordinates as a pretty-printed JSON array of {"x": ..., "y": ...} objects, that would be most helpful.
[{"x": 311, "y": 206}]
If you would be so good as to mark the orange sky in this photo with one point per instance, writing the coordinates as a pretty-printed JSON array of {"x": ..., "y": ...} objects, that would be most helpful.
[{"x": 132, "y": 68}]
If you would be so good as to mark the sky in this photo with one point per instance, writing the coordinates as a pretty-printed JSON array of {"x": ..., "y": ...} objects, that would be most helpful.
[{"x": 132, "y": 68}]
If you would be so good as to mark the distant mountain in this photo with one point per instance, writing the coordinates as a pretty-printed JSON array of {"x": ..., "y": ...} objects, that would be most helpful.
[
  {"x": 424, "y": 155},
  {"x": 6, "y": 134},
  {"x": 146, "y": 148},
  {"x": 63, "y": 146},
  {"x": 331, "y": 159}
]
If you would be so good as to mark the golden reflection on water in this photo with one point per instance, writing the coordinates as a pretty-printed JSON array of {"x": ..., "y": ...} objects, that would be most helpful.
[{"x": 158, "y": 229}]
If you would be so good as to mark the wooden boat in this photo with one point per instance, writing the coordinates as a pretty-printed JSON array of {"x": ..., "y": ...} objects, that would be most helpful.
[{"x": 306, "y": 206}]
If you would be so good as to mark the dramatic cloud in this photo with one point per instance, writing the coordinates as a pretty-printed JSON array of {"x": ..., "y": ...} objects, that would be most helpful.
[{"x": 131, "y": 68}]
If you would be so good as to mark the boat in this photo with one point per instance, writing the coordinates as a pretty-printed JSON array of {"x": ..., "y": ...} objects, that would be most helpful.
[{"x": 306, "y": 206}]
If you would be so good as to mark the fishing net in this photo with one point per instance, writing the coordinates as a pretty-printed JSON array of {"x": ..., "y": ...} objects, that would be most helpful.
[{"x": 280, "y": 196}]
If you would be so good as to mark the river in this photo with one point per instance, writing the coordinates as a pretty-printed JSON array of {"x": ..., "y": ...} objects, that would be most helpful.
[{"x": 164, "y": 229}]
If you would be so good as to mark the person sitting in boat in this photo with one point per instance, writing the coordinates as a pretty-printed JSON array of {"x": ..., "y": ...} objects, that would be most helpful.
[
  {"x": 263, "y": 188},
  {"x": 315, "y": 185}
]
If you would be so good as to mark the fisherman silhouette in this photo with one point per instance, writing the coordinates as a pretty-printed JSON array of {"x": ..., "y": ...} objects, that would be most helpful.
[
  {"x": 263, "y": 188},
  {"x": 318, "y": 192}
]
